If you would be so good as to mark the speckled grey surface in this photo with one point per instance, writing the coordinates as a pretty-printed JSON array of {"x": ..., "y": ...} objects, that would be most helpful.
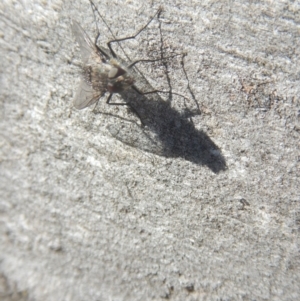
[{"x": 212, "y": 214}]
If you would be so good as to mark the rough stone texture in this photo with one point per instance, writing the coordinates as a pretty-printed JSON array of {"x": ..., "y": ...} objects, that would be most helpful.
[{"x": 85, "y": 216}]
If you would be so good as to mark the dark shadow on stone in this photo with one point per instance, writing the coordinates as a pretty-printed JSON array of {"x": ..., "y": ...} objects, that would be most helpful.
[{"x": 166, "y": 132}]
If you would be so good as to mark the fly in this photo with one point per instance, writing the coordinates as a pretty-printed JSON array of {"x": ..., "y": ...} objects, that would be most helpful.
[
  {"x": 165, "y": 131},
  {"x": 101, "y": 72}
]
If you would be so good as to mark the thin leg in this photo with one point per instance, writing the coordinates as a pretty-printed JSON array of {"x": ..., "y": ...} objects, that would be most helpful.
[
  {"x": 124, "y": 104},
  {"x": 99, "y": 49},
  {"x": 95, "y": 106},
  {"x": 131, "y": 37},
  {"x": 164, "y": 63},
  {"x": 153, "y": 60},
  {"x": 157, "y": 91},
  {"x": 96, "y": 11},
  {"x": 114, "y": 103},
  {"x": 94, "y": 8},
  {"x": 189, "y": 87},
  {"x": 137, "y": 114}
]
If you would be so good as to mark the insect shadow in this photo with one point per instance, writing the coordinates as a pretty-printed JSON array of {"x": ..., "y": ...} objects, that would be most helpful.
[
  {"x": 164, "y": 130},
  {"x": 166, "y": 133}
]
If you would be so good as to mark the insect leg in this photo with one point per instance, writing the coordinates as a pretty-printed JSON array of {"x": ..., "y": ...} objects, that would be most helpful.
[
  {"x": 114, "y": 103},
  {"x": 152, "y": 60},
  {"x": 157, "y": 91},
  {"x": 188, "y": 86},
  {"x": 168, "y": 92},
  {"x": 124, "y": 104},
  {"x": 131, "y": 37},
  {"x": 100, "y": 51}
]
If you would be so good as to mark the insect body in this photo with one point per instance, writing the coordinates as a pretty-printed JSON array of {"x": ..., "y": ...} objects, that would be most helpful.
[{"x": 101, "y": 72}]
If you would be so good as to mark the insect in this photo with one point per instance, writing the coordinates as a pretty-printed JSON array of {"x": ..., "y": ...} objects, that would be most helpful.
[
  {"x": 164, "y": 130},
  {"x": 102, "y": 71}
]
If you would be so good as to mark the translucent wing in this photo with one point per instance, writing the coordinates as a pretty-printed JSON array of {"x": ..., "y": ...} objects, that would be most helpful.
[
  {"x": 94, "y": 67},
  {"x": 86, "y": 96},
  {"x": 87, "y": 48}
]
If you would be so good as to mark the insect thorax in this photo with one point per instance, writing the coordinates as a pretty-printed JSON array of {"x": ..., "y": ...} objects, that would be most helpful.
[
  {"x": 119, "y": 78},
  {"x": 110, "y": 76}
]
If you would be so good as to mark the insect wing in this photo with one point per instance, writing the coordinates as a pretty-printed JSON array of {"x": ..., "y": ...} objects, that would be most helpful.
[
  {"x": 92, "y": 85},
  {"x": 87, "y": 47},
  {"x": 86, "y": 96}
]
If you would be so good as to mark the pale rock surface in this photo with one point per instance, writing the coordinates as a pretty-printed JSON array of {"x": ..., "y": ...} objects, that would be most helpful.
[{"x": 191, "y": 207}]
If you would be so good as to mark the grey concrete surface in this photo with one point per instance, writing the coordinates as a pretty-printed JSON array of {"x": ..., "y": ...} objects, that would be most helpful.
[{"x": 197, "y": 205}]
